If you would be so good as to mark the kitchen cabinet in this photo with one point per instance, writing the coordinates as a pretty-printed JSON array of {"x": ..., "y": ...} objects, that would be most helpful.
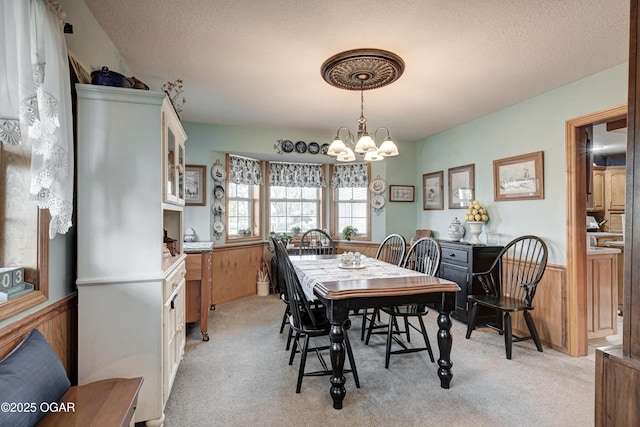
[
  {"x": 458, "y": 262},
  {"x": 602, "y": 293},
  {"x": 131, "y": 290},
  {"x": 596, "y": 201},
  {"x": 615, "y": 187}
]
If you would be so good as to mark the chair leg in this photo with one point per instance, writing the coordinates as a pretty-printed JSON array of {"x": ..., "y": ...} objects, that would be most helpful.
[
  {"x": 352, "y": 362},
  {"x": 376, "y": 313},
  {"x": 296, "y": 344},
  {"x": 289, "y": 336},
  {"x": 532, "y": 330},
  {"x": 471, "y": 320},
  {"x": 365, "y": 311},
  {"x": 508, "y": 337},
  {"x": 303, "y": 361},
  {"x": 389, "y": 338},
  {"x": 406, "y": 328},
  {"x": 285, "y": 319},
  {"x": 426, "y": 338}
]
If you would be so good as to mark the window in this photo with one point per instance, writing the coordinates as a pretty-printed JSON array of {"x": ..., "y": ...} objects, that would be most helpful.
[
  {"x": 350, "y": 202},
  {"x": 243, "y": 198},
  {"x": 352, "y": 207},
  {"x": 242, "y": 210},
  {"x": 291, "y": 207}
]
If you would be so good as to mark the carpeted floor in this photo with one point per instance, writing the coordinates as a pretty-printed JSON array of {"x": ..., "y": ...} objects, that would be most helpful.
[{"x": 241, "y": 377}]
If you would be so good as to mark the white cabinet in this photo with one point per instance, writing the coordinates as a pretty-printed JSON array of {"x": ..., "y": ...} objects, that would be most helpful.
[{"x": 130, "y": 296}]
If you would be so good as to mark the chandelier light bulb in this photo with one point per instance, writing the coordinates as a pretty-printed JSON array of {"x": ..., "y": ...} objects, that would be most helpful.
[
  {"x": 337, "y": 148},
  {"x": 349, "y": 156},
  {"x": 388, "y": 148},
  {"x": 365, "y": 144}
]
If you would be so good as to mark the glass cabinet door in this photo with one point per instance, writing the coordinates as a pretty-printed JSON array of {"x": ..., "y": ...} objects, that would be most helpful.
[
  {"x": 180, "y": 167},
  {"x": 171, "y": 189}
]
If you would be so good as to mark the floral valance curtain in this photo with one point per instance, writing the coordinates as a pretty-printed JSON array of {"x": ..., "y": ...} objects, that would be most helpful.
[
  {"x": 35, "y": 102},
  {"x": 296, "y": 175},
  {"x": 351, "y": 175},
  {"x": 245, "y": 170}
]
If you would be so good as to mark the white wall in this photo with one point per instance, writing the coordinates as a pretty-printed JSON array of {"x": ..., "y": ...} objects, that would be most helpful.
[{"x": 533, "y": 125}]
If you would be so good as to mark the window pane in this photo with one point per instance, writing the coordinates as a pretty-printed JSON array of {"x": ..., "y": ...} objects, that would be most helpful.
[{"x": 294, "y": 207}]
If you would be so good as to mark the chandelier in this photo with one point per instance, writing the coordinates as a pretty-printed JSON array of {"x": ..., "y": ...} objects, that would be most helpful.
[{"x": 362, "y": 69}]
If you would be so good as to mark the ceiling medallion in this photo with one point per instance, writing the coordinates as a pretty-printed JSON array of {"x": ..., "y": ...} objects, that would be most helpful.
[{"x": 362, "y": 69}]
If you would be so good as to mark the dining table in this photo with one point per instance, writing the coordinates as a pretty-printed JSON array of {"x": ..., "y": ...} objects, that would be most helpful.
[{"x": 373, "y": 283}]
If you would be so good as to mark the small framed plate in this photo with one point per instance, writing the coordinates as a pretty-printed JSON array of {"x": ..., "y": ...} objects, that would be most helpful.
[
  {"x": 218, "y": 192},
  {"x": 314, "y": 148},
  {"x": 377, "y": 202},
  {"x": 218, "y": 173},
  {"x": 301, "y": 147},
  {"x": 218, "y": 227},
  {"x": 217, "y": 208},
  {"x": 377, "y": 186},
  {"x": 287, "y": 146},
  {"x": 324, "y": 148}
]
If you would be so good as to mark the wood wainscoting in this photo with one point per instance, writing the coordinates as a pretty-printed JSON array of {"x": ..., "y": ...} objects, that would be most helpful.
[
  {"x": 550, "y": 313},
  {"x": 235, "y": 271},
  {"x": 57, "y": 323}
]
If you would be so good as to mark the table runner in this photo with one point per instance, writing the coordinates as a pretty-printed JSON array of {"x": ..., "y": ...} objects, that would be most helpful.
[{"x": 313, "y": 271}]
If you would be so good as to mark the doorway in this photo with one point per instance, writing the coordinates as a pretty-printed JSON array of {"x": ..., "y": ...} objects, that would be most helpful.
[{"x": 576, "y": 165}]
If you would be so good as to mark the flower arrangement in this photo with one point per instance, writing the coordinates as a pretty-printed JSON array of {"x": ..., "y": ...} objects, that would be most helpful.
[
  {"x": 476, "y": 213},
  {"x": 173, "y": 91}
]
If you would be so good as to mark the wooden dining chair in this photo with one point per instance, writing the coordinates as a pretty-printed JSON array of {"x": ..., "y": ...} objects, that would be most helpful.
[
  {"x": 510, "y": 285},
  {"x": 423, "y": 256},
  {"x": 391, "y": 250},
  {"x": 317, "y": 242},
  {"x": 308, "y": 322}
]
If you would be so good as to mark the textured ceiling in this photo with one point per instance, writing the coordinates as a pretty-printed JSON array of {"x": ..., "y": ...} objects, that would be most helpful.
[{"x": 257, "y": 63}]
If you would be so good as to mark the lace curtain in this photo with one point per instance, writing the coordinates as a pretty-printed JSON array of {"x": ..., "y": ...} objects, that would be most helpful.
[
  {"x": 351, "y": 175},
  {"x": 35, "y": 107},
  {"x": 296, "y": 175},
  {"x": 244, "y": 170}
]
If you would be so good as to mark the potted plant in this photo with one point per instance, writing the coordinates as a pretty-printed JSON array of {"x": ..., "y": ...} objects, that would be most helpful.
[
  {"x": 244, "y": 232},
  {"x": 296, "y": 230},
  {"x": 348, "y": 232},
  {"x": 287, "y": 238}
]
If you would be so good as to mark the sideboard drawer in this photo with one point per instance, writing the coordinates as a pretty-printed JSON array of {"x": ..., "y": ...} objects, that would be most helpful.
[{"x": 455, "y": 255}]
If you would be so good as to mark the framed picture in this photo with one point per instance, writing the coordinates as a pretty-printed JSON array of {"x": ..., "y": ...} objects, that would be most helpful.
[
  {"x": 432, "y": 191},
  {"x": 195, "y": 185},
  {"x": 461, "y": 186},
  {"x": 401, "y": 193},
  {"x": 519, "y": 177}
]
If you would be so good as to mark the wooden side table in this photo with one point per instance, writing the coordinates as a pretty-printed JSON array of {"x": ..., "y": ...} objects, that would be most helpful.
[{"x": 198, "y": 293}]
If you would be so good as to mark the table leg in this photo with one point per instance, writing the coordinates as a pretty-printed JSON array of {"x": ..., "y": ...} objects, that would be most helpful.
[
  {"x": 337, "y": 363},
  {"x": 445, "y": 342}
]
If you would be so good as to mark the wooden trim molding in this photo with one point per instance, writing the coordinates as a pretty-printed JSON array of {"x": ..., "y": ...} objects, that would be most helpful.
[
  {"x": 58, "y": 323},
  {"x": 576, "y": 226}
]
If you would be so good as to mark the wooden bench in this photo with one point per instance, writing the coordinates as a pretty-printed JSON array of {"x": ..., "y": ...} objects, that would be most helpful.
[{"x": 110, "y": 402}]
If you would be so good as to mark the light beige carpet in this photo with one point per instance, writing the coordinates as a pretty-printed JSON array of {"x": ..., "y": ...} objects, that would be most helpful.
[{"x": 241, "y": 378}]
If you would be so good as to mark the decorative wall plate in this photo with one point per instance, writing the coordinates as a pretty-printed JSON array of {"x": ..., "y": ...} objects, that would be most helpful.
[
  {"x": 217, "y": 208},
  {"x": 377, "y": 202},
  {"x": 314, "y": 148},
  {"x": 218, "y": 173},
  {"x": 324, "y": 148},
  {"x": 377, "y": 186},
  {"x": 218, "y": 192},
  {"x": 287, "y": 146},
  {"x": 218, "y": 227},
  {"x": 301, "y": 147}
]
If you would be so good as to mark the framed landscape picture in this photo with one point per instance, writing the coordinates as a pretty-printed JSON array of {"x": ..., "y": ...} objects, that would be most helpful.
[
  {"x": 195, "y": 185},
  {"x": 401, "y": 193},
  {"x": 519, "y": 177},
  {"x": 432, "y": 191},
  {"x": 461, "y": 186}
]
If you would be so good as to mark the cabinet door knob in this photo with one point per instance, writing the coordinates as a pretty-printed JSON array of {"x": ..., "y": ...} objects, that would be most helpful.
[{"x": 452, "y": 255}]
